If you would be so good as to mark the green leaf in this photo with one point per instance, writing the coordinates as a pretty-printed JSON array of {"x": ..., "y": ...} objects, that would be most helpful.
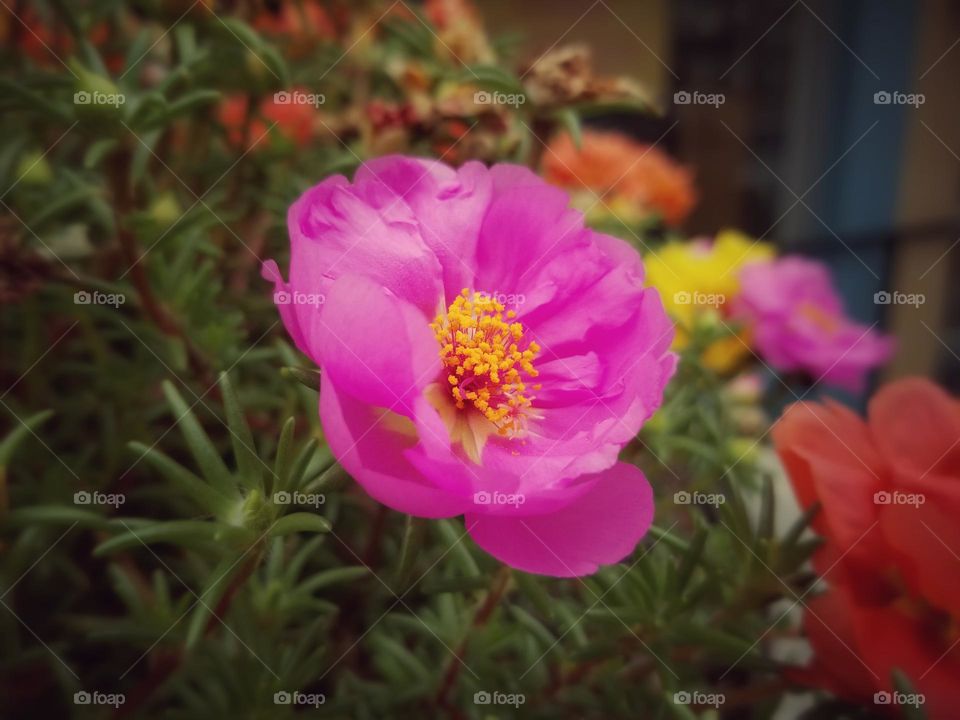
[
  {"x": 242, "y": 32},
  {"x": 413, "y": 36},
  {"x": 19, "y": 433},
  {"x": 801, "y": 524},
  {"x": 185, "y": 37},
  {"x": 767, "y": 509},
  {"x": 300, "y": 522},
  {"x": 309, "y": 378},
  {"x": 691, "y": 558},
  {"x": 207, "y": 601},
  {"x": 453, "y": 536},
  {"x": 142, "y": 154},
  {"x": 401, "y": 656},
  {"x": 36, "y": 101},
  {"x": 182, "y": 106},
  {"x": 669, "y": 539},
  {"x": 188, "y": 533},
  {"x": 185, "y": 481},
  {"x": 57, "y": 515},
  {"x": 491, "y": 77},
  {"x": 332, "y": 577},
  {"x": 570, "y": 121},
  {"x": 284, "y": 459},
  {"x": 275, "y": 64},
  {"x": 98, "y": 151},
  {"x": 414, "y": 531},
  {"x": 248, "y": 462},
  {"x": 303, "y": 462},
  {"x": 434, "y": 586},
  {"x": 140, "y": 45},
  {"x": 533, "y": 625},
  {"x": 67, "y": 201},
  {"x": 531, "y": 587},
  {"x": 202, "y": 449}
]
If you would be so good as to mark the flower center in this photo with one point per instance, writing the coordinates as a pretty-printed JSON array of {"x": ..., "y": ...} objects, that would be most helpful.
[{"x": 486, "y": 359}]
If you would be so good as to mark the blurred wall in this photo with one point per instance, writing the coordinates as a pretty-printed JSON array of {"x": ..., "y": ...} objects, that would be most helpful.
[{"x": 927, "y": 260}]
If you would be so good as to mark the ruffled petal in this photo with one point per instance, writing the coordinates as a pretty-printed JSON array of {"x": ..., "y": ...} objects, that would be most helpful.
[
  {"x": 602, "y": 527},
  {"x": 830, "y": 459},
  {"x": 371, "y": 446},
  {"x": 448, "y": 204},
  {"x": 283, "y": 299},
  {"x": 337, "y": 229},
  {"x": 374, "y": 346}
]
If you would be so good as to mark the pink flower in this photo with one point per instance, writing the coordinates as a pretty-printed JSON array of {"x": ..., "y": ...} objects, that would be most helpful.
[
  {"x": 482, "y": 354},
  {"x": 798, "y": 323}
]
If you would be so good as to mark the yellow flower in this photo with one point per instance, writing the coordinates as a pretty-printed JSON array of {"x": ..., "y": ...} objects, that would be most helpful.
[{"x": 699, "y": 280}]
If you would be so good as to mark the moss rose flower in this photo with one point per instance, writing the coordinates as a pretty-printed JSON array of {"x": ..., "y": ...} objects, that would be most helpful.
[{"x": 482, "y": 354}]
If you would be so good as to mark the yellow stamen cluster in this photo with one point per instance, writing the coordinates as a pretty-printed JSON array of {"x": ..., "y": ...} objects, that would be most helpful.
[{"x": 481, "y": 351}]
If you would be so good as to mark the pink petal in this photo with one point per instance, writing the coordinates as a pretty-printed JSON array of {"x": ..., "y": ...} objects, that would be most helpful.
[
  {"x": 601, "y": 527},
  {"x": 526, "y": 224},
  {"x": 337, "y": 229},
  {"x": 373, "y": 345},
  {"x": 281, "y": 298},
  {"x": 449, "y": 206},
  {"x": 362, "y": 440}
]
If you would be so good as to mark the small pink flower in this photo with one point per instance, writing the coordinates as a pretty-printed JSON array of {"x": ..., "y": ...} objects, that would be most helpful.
[
  {"x": 482, "y": 354},
  {"x": 798, "y": 323}
]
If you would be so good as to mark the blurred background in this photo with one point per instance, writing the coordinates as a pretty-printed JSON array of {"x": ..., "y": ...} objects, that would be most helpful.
[{"x": 800, "y": 152}]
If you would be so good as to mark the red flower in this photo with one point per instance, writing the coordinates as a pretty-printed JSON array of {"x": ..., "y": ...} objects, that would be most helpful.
[
  {"x": 293, "y": 120},
  {"x": 889, "y": 490}
]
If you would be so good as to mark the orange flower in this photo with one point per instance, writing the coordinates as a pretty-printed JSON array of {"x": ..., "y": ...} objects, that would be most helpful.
[
  {"x": 889, "y": 491},
  {"x": 292, "y": 120},
  {"x": 614, "y": 167}
]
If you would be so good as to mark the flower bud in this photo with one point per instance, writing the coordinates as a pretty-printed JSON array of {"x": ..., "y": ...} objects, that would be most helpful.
[{"x": 33, "y": 169}]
